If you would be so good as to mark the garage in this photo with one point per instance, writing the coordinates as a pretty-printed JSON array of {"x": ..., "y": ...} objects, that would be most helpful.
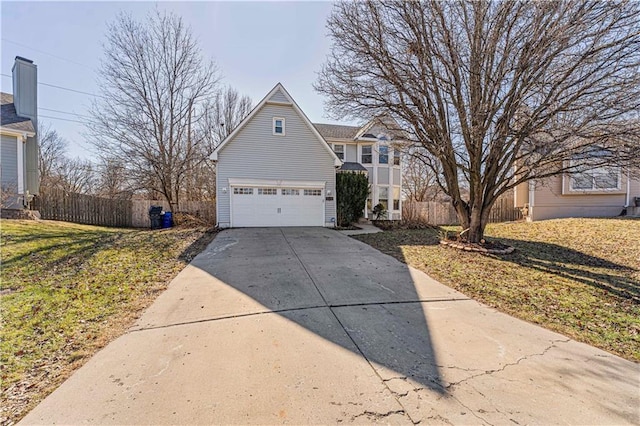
[{"x": 276, "y": 203}]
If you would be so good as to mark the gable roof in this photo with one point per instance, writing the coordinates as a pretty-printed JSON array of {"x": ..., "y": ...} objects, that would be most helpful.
[
  {"x": 337, "y": 131},
  {"x": 289, "y": 102},
  {"x": 10, "y": 119}
]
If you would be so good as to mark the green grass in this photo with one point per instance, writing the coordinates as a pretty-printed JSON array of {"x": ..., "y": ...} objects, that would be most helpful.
[
  {"x": 69, "y": 289},
  {"x": 579, "y": 277}
]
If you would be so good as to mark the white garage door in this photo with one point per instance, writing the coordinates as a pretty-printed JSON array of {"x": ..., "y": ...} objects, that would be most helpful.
[{"x": 276, "y": 206}]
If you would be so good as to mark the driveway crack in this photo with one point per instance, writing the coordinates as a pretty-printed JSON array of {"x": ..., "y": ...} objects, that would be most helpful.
[{"x": 360, "y": 351}]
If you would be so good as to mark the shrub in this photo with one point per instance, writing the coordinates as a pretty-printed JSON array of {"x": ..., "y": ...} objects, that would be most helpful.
[{"x": 352, "y": 190}]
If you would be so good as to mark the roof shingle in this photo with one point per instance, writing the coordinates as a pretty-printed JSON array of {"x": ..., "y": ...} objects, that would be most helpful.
[
  {"x": 10, "y": 119},
  {"x": 336, "y": 131}
]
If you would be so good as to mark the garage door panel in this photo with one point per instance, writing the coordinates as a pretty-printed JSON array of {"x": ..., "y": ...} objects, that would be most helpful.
[{"x": 263, "y": 207}]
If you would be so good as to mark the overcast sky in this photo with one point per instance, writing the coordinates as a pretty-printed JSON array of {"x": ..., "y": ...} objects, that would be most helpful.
[{"x": 255, "y": 45}]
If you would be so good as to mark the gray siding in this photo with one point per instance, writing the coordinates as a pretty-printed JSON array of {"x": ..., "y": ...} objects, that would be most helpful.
[
  {"x": 9, "y": 161},
  {"x": 279, "y": 97},
  {"x": 396, "y": 176},
  {"x": 25, "y": 89},
  {"x": 32, "y": 173},
  {"x": 9, "y": 167},
  {"x": 383, "y": 175},
  {"x": 352, "y": 154},
  {"x": 255, "y": 153}
]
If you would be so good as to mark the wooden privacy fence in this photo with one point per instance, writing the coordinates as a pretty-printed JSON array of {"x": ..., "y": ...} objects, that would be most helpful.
[
  {"x": 443, "y": 213},
  {"x": 203, "y": 210},
  {"x": 57, "y": 204}
]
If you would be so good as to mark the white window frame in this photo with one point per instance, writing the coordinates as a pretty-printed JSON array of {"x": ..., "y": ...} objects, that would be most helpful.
[
  {"x": 396, "y": 156},
  {"x": 362, "y": 154},
  {"x": 239, "y": 190},
  {"x": 593, "y": 174},
  {"x": 284, "y": 132},
  {"x": 338, "y": 154},
  {"x": 380, "y": 154}
]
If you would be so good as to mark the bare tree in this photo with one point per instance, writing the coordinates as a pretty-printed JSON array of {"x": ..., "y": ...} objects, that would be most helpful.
[
  {"x": 221, "y": 115},
  {"x": 499, "y": 93},
  {"x": 111, "y": 180},
  {"x": 74, "y": 175},
  {"x": 52, "y": 150},
  {"x": 224, "y": 112},
  {"x": 419, "y": 181},
  {"x": 154, "y": 84}
]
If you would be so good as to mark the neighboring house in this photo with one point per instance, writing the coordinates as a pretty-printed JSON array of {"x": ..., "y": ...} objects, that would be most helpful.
[
  {"x": 19, "y": 140},
  {"x": 275, "y": 169},
  {"x": 370, "y": 148},
  {"x": 599, "y": 192}
]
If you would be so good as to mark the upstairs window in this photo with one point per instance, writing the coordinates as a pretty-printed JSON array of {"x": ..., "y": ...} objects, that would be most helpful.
[
  {"x": 366, "y": 155},
  {"x": 396, "y": 157},
  {"x": 339, "y": 150},
  {"x": 383, "y": 155},
  {"x": 278, "y": 126}
]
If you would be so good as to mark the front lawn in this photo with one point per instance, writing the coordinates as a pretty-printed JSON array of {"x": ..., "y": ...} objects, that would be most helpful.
[
  {"x": 68, "y": 289},
  {"x": 579, "y": 277}
]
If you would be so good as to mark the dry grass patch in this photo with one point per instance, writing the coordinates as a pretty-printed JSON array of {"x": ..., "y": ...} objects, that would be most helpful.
[
  {"x": 68, "y": 289},
  {"x": 579, "y": 277}
]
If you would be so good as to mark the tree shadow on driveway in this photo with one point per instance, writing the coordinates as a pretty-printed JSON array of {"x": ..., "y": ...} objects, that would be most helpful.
[{"x": 373, "y": 300}]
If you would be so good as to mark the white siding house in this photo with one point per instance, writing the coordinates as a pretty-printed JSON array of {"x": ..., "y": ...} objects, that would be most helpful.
[
  {"x": 374, "y": 148},
  {"x": 275, "y": 169}
]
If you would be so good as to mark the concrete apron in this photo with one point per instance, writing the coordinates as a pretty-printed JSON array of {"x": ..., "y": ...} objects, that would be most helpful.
[{"x": 308, "y": 326}]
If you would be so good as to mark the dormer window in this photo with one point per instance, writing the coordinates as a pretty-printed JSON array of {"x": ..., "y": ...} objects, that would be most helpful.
[{"x": 278, "y": 126}]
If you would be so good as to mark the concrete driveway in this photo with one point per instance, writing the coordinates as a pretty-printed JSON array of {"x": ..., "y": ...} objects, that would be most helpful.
[{"x": 308, "y": 326}]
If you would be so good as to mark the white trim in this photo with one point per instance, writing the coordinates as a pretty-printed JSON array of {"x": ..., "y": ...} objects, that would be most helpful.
[
  {"x": 532, "y": 197},
  {"x": 628, "y": 197},
  {"x": 279, "y": 103},
  {"x": 20, "y": 148},
  {"x": 284, "y": 126},
  {"x": 282, "y": 183},
  {"x": 19, "y": 133},
  {"x": 344, "y": 149},
  {"x": 336, "y": 161}
]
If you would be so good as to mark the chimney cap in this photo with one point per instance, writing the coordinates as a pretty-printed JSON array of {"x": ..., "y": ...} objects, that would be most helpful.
[{"x": 20, "y": 58}]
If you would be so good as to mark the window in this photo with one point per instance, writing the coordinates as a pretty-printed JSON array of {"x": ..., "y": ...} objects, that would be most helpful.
[
  {"x": 267, "y": 191},
  {"x": 313, "y": 192},
  {"x": 396, "y": 198},
  {"x": 396, "y": 157},
  {"x": 383, "y": 196},
  {"x": 592, "y": 175},
  {"x": 339, "y": 150},
  {"x": 290, "y": 192},
  {"x": 242, "y": 191},
  {"x": 383, "y": 155},
  {"x": 597, "y": 179},
  {"x": 278, "y": 126},
  {"x": 366, "y": 154}
]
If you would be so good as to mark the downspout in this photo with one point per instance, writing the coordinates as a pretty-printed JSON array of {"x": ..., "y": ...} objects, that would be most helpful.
[
  {"x": 532, "y": 199},
  {"x": 628, "y": 198}
]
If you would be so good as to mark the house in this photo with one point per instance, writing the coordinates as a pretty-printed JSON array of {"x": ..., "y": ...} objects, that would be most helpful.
[
  {"x": 275, "y": 169},
  {"x": 598, "y": 192},
  {"x": 278, "y": 169},
  {"x": 373, "y": 149},
  {"x": 19, "y": 139}
]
